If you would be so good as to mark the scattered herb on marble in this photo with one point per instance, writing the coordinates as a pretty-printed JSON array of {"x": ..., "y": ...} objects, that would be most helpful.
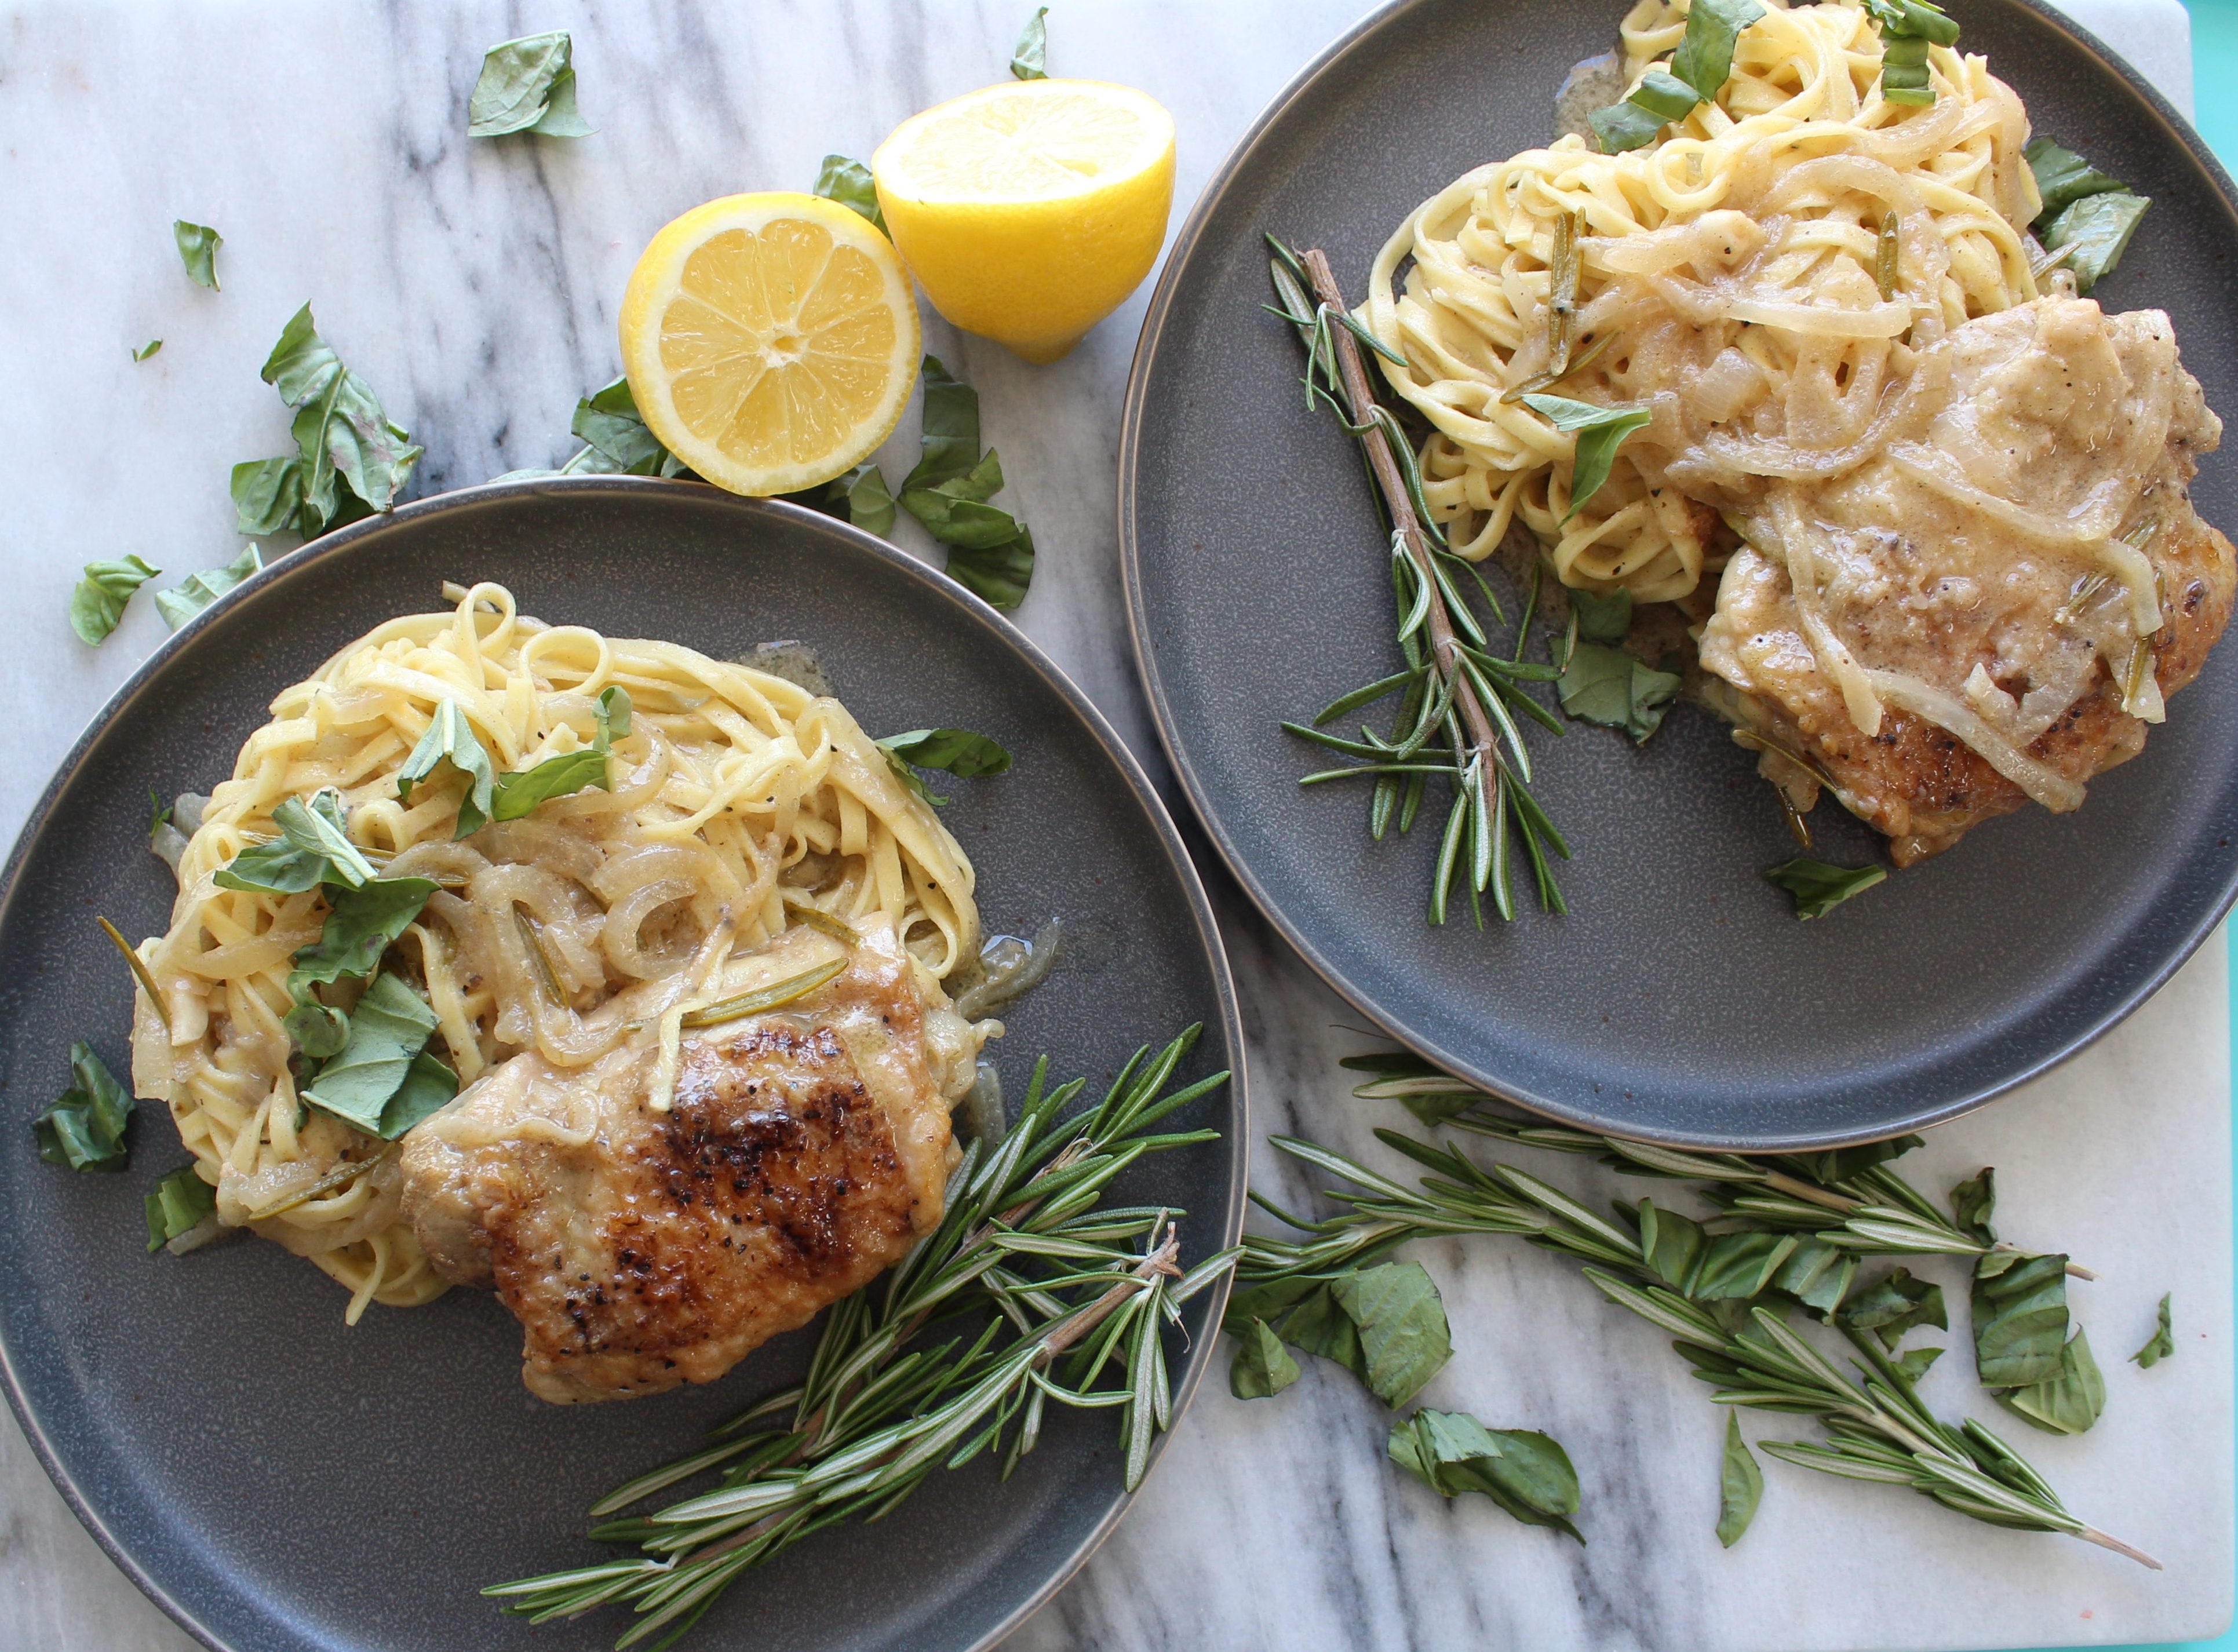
[
  {"x": 198, "y": 245},
  {"x": 1460, "y": 697},
  {"x": 147, "y": 349},
  {"x": 526, "y": 85},
  {"x": 197, "y": 592},
  {"x": 1037, "y": 1291},
  {"x": 849, "y": 182},
  {"x": 182, "y": 1212},
  {"x": 84, "y": 1126},
  {"x": 1527, "y": 1474},
  {"x": 1740, "y": 1484},
  {"x": 1818, "y": 888},
  {"x": 957, "y": 751},
  {"x": 2069, "y": 1400},
  {"x": 1699, "y": 68},
  {"x": 351, "y": 461},
  {"x": 990, "y": 553},
  {"x": 2160, "y": 1344},
  {"x": 1029, "y": 58},
  {"x": 2020, "y": 1317},
  {"x": 98, "y": 605},
  {"x": 2087, "y": 217}
]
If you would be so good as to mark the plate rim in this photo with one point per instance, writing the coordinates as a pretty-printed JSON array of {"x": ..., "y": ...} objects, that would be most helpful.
[
  {"x": 1134, "y": 416},
  {"x": 341, "y": 541}
]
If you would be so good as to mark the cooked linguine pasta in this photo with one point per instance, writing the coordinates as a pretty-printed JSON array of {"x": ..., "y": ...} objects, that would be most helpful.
[{"x": 742, "y": 806}]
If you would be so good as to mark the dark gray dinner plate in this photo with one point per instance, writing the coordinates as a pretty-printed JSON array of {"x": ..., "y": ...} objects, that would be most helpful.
[
  {"x": 1679, "y": 1000},
  {"x": 281, "y": 1483}
]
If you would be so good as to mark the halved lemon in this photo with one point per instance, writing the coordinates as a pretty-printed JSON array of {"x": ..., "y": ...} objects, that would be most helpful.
[
  {"x": 771, "y": 341},
  {"x": 1031, "y": 209}
]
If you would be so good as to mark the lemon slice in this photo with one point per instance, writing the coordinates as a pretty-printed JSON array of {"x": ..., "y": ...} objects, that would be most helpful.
[
  {"x": 1029, "y": 210},
  {"x": 771, "y": 341}
]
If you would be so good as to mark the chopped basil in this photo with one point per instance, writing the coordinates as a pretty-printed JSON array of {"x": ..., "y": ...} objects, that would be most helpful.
[
  {"x": 1605, "y": 685},
  {"x": 2020, "y": 1317},
  {"x": 1262, "y": 1367},
  {"x": 84, "y": 1126},
  {"x": 182, "y": 1201},
  {"x": 1600, "y": 432},
  {"x": 1907, "y": 29},
  {"x": 189, "y": 597},
  {"x": 1818, "y": 888},
  {"x": 313, "y": 848},
  {"x": 2067, "y": 1402},
  {"x": 1891, "y": 1307},
  {"x": 1526, "y": 1473},
  {"x": 1601, "y": 619},
  {"x": 379, "y": 1064},
  {"x": 520, "y": 792},
  {"x": 98, "y": 602},
  {"x": 957, "y": 751},
  {"x": 360, "y": 925},
  {"x": 147, "y": 349},
  {"x": 198, "y": 245},
  {"x": 320, "y": 1030},
  {"x": 526, "y": 85},
  {"x": 2160, "y": 1344},
  {"x": 608, "y": 419},
  {"x": 1385, "y": 1325},
  {"x": 450, "y": 738},
  {"x": 1029, "y": 58},
  {"x": 990, "y": 553},
  {"x": 2087, "y": 214},
  {"x": 849, "y": 182},
  {"x": 1699, "y": 72},
  {"x": 351, "y": 460}
]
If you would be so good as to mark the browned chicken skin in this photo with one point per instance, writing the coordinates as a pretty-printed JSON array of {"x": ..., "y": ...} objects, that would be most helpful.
[
  {"x": 806, "y": 1151},
  {"x": 2054, "y": 407}
]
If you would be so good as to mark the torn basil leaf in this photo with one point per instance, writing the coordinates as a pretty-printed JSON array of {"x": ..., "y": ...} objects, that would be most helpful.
[
  {"x": 1818, "y": 1275},
  {"x": 1974, "y": 1202},
  {"x": 990, "y": 553},
  {"x": 198, "y": 245},
  {"x": 318, "y": 1030},
  {"x": 1625, "y": 126},
  {"x": 1603, "y": 685},
  {"x": 526, "y": 85},
  {"x": 613, "y": 714},
  {"x": 181, "y": 1202},
  {"x": 361, "y": 925},
  {"x": 147, "y": 349},
  {"x": 313, "y": 848},
  {"x": 1907, "y": 29},
  {"x": 1601, "y": 619},
  {"x": 860, "y": 496},
  {"x": 998, "y": 574},
  {"x": 387, "y": 1030},
  {"x": 1404, "y": 1339},
  {"x": 1527, "y": 1474},
  {"x": 2063, "y": 177},
  {"x": 2020, "y": 1317},
  {"x": 84, "y": 1126},
  {"x": 1704, "y": 61},
  {"x": 1262, "y": 1366},
  {"x": 1891, "y": 1305},
  {"x": 1914, "y": 1362},
  {"x": 959, "y": 751},
  {"x": 849, "y": 182},
  {"x": 429, "y": 1085},
  {"x": 2161, "y": 1343},
  {"x": 618, "y": 436},
  {"x": 2097, "y": 230},
  {"x": 98, "y": 602},
  {"x": 1819, "y": 888},
  {"x": 1670, "y": 1243},
  {"x": 1029, "y": 58},
  {"x": 520, "y": 792},
  {"x": 950, "y": 439},
  {"x": 197, "y": 592},
  {"x": 1600, "y": 430},
  {"x": 351, "y": 460},
  {"x": 2069, "y": 1400},
  {"x": 450, "y": 739},
  {"x": 1740, "y": 1484}
]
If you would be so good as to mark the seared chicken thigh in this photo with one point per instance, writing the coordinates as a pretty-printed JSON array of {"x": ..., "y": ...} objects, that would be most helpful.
[{"x": 804, "y": 1151}]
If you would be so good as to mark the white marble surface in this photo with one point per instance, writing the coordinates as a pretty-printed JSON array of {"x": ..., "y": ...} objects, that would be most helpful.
[{"x": 474, "y": 284}]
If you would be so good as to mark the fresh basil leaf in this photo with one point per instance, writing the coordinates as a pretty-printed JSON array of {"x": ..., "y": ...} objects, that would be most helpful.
[
  {"x": 2062, "y": 178},
  {"x": 388, "y": 1030},
  {"x": 147, "y": 349},
  {"x": 870, "y": 505},
  {"x": 1818, "y": 888},
  {"x": 428, "y": 1085},
  {"x": 2098, "y": 227},
  {"x": 950, "y": 440},
  {"x": 2020, "y": 1317},
  {"x": 1268, "y": 1299},
  {"x": 189, "y": 597},
  {"x": 1974, "y": 1201},
  {"x": 1704, "y": 58},
  {"x": 1526, "y": 1473},
  {"x": 608, "y": 421},
  {"x": 1319, "y": 1325},
  {"x": 2160, "y": 1345},
  {"x": 520, "y": 792},
  {"x": 98, "y": 602},
  {"x": 998, "y": 575},
  {"x": 1907, "y": 29},
  {"x": 526, "y": 85},
  {"x": 614, "y": 714},
  {"x": 1664, "y": 96},
  {"x": 1670, "y": 1243},
  {"x": 1262, "y": 1367},
  {"x": 1404, "y": 1339},
  {"x": 1029, "y": 58},
  {"x": 354, "y": 461},
  {"x": 1601, "y": 619},
  {"x": 362, "y": 925},
  {"x": 1621, "y": 126},
  {"x": 1617, "y": 690},
  {"x": 268, "y": 496},
  {"x": 198, "y": 245},
  {"x": 1894, "y": 1304},
  {"x": 1914, "y": 1362},
  {"x": 2070, "y": 1401},
  {"x": 318, "y": 1030},
  {"x": 1818, "y": 1275},
  {"x": 84, "y": 1126},
  {"x": 849, "y": 182},
  {"x": 1736, "y": 1267},
  {"x": 1600, "y": 432},
  {"x": 313, "y": 848},
  {"x": 957, "y": 751},
  {"x": 181, "y": 1202},
  {"x": 1740, "y": 1484},
  {"x": 450, "y": 739}
]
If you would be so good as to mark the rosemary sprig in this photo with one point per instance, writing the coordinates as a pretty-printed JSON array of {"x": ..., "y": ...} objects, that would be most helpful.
[
  {"x": 1708, "y": 1284},
  {"x": 1065, "y": 1290},
  {"x": 1460, "y": 697}
]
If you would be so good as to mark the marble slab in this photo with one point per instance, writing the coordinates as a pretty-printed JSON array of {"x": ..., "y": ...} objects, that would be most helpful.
[{"x": 474, "y": 284}]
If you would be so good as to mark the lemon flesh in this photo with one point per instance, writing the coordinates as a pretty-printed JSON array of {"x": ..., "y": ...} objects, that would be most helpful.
[
  {"x": 1029, "y": 211},
  {"x": 771, "y": 341}
]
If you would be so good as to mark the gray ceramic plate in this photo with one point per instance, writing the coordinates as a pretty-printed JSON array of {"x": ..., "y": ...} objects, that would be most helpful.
[
  {"x": 280, "y": 1483},
  {"x": 1680, "y": 1001}
]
